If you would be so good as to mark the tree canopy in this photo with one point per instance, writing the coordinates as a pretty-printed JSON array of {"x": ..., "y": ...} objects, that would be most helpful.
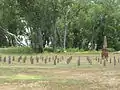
[{"x": 60, "y": 23}]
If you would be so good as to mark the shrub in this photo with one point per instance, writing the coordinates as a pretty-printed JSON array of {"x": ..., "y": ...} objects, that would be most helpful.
[
  {"x": 59, "y": 50},
  {"x": 117, "y": 46},
  {"x": 72, "y": 50},
  {"x": 111, "y": 49},
  {"x": 81, "y": 50},
  {"x": 48, "y": 49}
]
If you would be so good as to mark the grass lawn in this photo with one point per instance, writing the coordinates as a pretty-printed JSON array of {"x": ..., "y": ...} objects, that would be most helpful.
[{"x": 41, "y": 76}]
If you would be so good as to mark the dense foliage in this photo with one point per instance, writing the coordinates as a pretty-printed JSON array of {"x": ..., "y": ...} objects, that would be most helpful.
[{"x": 60, "y": 24}]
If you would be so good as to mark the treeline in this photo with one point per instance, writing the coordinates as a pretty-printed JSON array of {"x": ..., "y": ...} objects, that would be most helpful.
[{"x": 60, "y": 24}]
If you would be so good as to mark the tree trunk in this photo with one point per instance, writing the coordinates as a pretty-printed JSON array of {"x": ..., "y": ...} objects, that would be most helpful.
[
  {"x": 54, "y": 37},
  {"x": 37, "y": 41},
  {"x": 40, "y": 41},
  {"x": 65, "y": 34}
]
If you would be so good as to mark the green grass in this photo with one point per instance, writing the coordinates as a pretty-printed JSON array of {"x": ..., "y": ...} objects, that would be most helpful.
[
  {"x": 16, "y": 50},
  {"x": 28, "y": 72},
  {"x": 28, "y": 50}
]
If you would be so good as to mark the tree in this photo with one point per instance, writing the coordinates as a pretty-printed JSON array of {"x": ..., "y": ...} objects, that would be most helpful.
[{"x": 63, "y": 23}]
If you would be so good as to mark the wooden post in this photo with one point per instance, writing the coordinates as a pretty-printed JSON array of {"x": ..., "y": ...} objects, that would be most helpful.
[
  {"x": 31, "y": 60},
  {"x": 9, "y": 59},
  {"x": 90, "y": 61},
  {"x": 0, "y": 58},
  {"x": 107, "y": 59},
  {"x": 96, "y": 58},
  {"x": 62, "y": 58},
  {"x": 13, "y": 58},
  {"x": 114, "y": 61},
  {"x": 55, "y": 60},
  {"x": 104, "y": 62},
  {"x": 69, "y": 59},
  {"x": 45, "y": 60},
  {"x": 4, "y": 59},
  {"x": 110, "y": 61},
  {"x": 100, "y": 61},
  {"x": 24, "y": 59},
  {"x": 118, "y": 60},
  {"x": 49, "y": 59},
  {"x": 78, "y": 63},
  {"x": 58, "y": 60},
  {"x": 19, "y": 58},
  {"x": 42, "y": 59},
  {"x": 37, "y": 59}
]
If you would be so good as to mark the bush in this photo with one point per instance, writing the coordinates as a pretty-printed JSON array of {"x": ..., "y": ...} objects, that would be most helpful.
[
  {"x": 117, "y": 46},
  {"x": 16, "y": 50},
  {"x": 73, "y": 50},
  {"x": 111, "y": 49},
  {"x": 48, "y": 49},
  {"x": 81, "y": 50}
]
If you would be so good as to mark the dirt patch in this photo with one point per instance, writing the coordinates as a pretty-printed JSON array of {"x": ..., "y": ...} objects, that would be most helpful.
[{"x": 62, "y": 76}]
